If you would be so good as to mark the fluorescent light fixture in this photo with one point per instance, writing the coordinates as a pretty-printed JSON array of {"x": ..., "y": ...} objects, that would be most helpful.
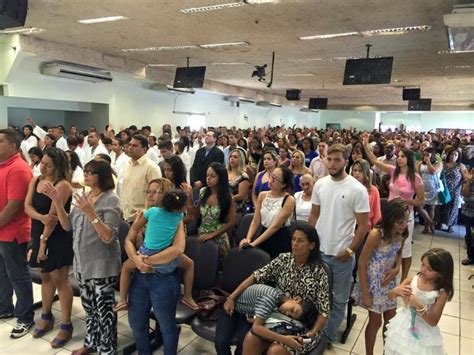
[
  {"x": 274, "y": 104},
  {"x": 258, "y": 2},
  {"x": 231, "y": 63},
  {"x": 189, "y": 113},
  {"x": 102, "y": 19},
  {"x": 297, "y": 74},
  {"x": 22, "y": 30},
  {"x": 181, "y": 90},
  {"x": 457, "y": 66},
  {"x": 157, "y": 49},
  {"x": 223, "y": 45},
  {"x": 378, "y": 32},
  {"x": 161, "y": 65},
  {"x": 395, "y": 31},
  {"x": 246, "y": 99},
  {"x": 229, "y": 5},
  {"x": 332, "y": 35},
  {"x": 455, "y": 52},
  {"x": 305, "y": 60}
]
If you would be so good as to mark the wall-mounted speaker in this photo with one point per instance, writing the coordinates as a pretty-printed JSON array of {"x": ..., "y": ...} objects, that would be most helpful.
[{"x": 293, "y": 94}]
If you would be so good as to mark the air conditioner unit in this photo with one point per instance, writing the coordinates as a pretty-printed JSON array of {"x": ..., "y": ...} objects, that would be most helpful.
[
  {"x": 170, "y": 88},
  {"x": 76, "y": 72},
  {"x": 263, "y": 103}
]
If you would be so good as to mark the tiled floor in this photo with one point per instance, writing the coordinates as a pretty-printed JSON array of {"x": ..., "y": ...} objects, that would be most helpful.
[{"x": 457, "y": 323}]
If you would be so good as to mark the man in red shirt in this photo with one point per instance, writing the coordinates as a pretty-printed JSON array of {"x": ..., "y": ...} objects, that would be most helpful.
[{"x": 15, "y": 225}]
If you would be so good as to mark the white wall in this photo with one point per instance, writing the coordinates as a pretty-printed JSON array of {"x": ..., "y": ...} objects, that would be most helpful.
[
  {"x": 426, "y": 121},
  {"x": 355, "y": 119},
  {"x": 131, "y": 103}
]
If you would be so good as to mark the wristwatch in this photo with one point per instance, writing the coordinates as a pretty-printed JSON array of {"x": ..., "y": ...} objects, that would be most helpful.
[
  {"x": 95, "y": 221},
  {"x": 350, "y": 251}
]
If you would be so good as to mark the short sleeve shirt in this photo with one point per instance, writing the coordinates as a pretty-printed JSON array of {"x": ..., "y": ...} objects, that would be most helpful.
[{"x": 402, "y": 187}]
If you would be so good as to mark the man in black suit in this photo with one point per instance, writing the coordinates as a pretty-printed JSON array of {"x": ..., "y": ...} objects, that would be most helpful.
[{"x": 205, "y": 156}]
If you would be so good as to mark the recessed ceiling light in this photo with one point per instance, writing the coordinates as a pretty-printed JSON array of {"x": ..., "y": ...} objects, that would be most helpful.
[
  {"x": 22, "y": 30},
  {"x": 297, "y": 74},
  {"x": 378, "y": 32},
  {"x": 102, "y": 19},
  {"x": 231, "y": 63},
  {"x": 258, "y": 2},
  {"x": 161, "y": 65},
  {"x": 212, "y": 7},
  {"x": 157, "y": 49},
  {"x": 221, "y": 45}
]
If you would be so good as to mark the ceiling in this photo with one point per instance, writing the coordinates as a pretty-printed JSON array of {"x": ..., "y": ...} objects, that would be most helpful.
[{"x": 446, "y": 78}]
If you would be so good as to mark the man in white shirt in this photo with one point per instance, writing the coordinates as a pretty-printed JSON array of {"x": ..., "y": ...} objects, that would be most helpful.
[
  {"x": 318, "y": 164},
  {"x": 340, "y": 203},
  {"x": 95, "y": 146},
  {"x": 73, "y": 144},
  {"x": 389, "y": 158},
  {"x": 61, "y": 142}
]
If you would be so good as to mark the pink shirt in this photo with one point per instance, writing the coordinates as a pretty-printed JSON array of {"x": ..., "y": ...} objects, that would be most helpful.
[
  {"x": 374, "y": 203},
  {"x": 402, "y": 187},
  {"x": 15, "y": 176}
]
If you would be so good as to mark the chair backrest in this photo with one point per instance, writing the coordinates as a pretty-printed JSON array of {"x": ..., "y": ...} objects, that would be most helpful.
[
  {"x": 205, "y": 256},
  {"x": 243, "y": 227},
  {"x": 239, "y": 265},
  {"x": 122, "y": 235},
  {"x": 192, "y": 227},
  {"x": 330, "y": 279}
]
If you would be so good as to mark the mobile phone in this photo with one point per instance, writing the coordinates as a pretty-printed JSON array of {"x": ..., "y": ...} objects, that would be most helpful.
[{"x": 306, "y": 340}]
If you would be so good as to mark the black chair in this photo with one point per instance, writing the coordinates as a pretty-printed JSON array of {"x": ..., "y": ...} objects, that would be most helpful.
[
  {"x": 205, "y": 257},
  {"x": 237, "y": 267},
  {"x": 243, "y": 227}
]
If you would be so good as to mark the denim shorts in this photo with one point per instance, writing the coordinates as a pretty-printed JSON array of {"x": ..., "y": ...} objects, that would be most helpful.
[{"x": 160, "y": 268}]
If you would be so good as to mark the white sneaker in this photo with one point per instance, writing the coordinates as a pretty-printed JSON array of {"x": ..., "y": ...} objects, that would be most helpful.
[{"x": 21, "y": 329}]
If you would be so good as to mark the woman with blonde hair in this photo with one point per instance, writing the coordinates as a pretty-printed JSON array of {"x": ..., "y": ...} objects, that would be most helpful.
[
  {"x": 298, "y": 168},
  {"x": 239, "y": 181}
]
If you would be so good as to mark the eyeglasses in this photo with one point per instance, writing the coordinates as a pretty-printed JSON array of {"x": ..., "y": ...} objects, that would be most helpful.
[
  {"x": 89, "y": 172},
  {"x": 404, "y": 221},
  {"x": 275, "y": 178}
]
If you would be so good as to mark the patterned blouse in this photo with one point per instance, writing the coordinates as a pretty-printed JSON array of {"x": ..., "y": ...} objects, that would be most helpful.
[{"x": 309, "y": 282}]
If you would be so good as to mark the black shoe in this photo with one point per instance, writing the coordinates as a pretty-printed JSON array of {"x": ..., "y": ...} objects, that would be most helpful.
[
  {"x": 329, "y": 346},
  {"x": 6, "y": 316},
  {"x": 21, "y": 329}
]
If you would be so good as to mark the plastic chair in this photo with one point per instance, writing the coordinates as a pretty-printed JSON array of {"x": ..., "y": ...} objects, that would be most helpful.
[{"x": 237, "y": 267}]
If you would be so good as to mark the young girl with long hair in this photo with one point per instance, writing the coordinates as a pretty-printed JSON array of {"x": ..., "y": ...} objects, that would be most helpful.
[
  {"x": 378, "y": 266},
  {"x": 414, "y": 329}
]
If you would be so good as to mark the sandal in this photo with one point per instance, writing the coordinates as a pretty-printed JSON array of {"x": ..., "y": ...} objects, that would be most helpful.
[
  {"x": 189, "y": 305},
  {"x": 49, "y": 319},
  {"x": 121, "y": 306},
  {"x": 67, "y": 328},
  {"x": 467, "y": 262}
]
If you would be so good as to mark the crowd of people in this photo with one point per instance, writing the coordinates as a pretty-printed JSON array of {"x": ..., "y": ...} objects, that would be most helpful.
[{"x": 64, "y": 200}]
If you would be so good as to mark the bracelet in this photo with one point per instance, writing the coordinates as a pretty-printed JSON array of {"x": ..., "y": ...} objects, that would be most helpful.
[{"x": 422, "y": 310}]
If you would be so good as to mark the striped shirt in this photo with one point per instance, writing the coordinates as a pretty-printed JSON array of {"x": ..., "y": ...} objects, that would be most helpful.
[{"x": 259, "y": 300}]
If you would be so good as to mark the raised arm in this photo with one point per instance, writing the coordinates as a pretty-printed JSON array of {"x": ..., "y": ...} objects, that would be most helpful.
[{"x": 371, "y": 156}]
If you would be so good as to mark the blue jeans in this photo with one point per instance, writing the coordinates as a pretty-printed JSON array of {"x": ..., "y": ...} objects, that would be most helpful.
[
  {"x": 160, "y": 268},
  {"x": 14, "y": 276},
  {"x": 160, "y": 291},
  {"x": 341, "y": 289},
  {"x": 229, "y": 327}
]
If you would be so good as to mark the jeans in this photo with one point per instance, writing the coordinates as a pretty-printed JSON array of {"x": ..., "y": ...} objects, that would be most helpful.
[
  {"x": 469, "y": 223},
  {"x": 341, "y": 289},
  {"x": 228, "y": 327},
  {"x": 160, "y": 291},
  {"x": 14, "y": 276}
]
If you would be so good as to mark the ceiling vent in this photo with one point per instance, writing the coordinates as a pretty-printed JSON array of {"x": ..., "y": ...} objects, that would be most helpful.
[
  {"x": 263, "y": 103},
  {"x": 75, "y": 72}
]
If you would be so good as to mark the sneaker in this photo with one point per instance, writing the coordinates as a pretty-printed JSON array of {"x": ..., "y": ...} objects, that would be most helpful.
[
  {"x": 21, "y": 329},
  {"x": 6, "y": 316}
]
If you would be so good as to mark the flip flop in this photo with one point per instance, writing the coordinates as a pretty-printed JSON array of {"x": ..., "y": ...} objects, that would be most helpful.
[
  {"x": 189, "y": 305},
  {"x": 121, "y": 306}
]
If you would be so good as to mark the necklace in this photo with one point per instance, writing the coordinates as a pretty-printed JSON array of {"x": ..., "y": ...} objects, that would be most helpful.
[{"x": 95, "y": 195}]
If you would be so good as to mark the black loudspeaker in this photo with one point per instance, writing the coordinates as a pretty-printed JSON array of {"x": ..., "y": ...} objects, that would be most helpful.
[
  {"x": 419, "y": 105},
  {"x": 293, "y": 94},
  {"x": 411, "y": 94},
  {"x": 13, "y": 13}
]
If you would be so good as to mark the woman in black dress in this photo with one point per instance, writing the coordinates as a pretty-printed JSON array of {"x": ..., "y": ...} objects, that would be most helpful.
[{"x": 56, "y": 255}]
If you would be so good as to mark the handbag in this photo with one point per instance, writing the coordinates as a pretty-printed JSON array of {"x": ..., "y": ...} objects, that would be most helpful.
[
  {"x": 444, "y": 196},
  {"x": 284, "y": 325},
  {"x": 210, "y": 303}
]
